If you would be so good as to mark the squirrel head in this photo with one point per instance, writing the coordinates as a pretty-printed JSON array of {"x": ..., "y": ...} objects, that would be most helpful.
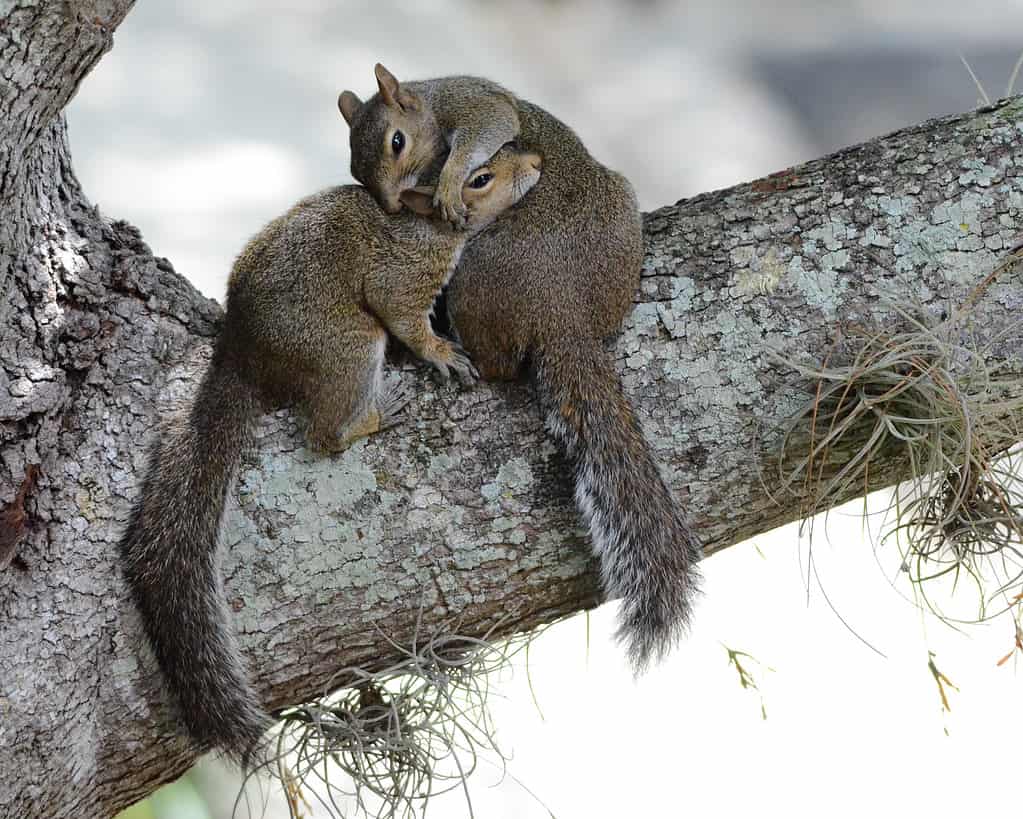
[
  {"x": 490, "y": 189},
  {"x": 394, "y": 138}
]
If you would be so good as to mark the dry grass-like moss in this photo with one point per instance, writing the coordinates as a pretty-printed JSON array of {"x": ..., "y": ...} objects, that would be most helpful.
[
  {"x": 391, "y": 740},
  {"x": 923, "y": 396}
]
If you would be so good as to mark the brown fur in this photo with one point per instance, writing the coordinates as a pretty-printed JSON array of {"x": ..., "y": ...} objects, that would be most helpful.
[
  {"x": 544, "y": 286},
  {"x": 431, "y": 120},
  {"x": 310, "y": 301}
]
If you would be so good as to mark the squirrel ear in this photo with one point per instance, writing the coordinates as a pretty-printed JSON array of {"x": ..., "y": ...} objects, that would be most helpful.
[
  {"x": 408, "y": 101},
  {"x": 418, "y": 200},
  {"x": 349, "y": 105},
  {"x": 388, "y": 85}
]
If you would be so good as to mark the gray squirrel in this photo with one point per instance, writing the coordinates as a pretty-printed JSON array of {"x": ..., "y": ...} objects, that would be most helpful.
[
  {"x": 310, "y": 301},
  {"x": 543, "y": 286}
]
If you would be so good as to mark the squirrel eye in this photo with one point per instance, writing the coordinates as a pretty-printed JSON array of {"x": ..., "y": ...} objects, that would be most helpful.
[
  {"x": 397, "y": 142},
  {"x": 481, "y": 180}
]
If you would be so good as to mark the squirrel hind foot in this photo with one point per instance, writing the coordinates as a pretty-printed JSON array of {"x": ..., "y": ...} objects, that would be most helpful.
[{"x": 393, "y": 403}]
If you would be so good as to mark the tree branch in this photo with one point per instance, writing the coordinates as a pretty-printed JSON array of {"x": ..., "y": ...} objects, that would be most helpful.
[{"x": 465, "y": 513}]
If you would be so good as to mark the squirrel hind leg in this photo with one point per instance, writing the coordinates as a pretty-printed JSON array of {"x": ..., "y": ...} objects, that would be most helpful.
[
  {"x": 388, "y": 411},
  {"x": 349, "y": 402}
]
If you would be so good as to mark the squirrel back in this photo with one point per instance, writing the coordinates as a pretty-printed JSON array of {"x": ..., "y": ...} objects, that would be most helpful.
[
  {"x": 574, "y": 250},
  {"x": 543, "y": 286}
]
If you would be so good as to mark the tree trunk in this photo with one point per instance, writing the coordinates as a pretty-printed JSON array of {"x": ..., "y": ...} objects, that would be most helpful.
[{"x": 464, "y": 512}]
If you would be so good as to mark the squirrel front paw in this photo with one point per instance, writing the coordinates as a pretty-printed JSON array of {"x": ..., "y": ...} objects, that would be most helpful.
[
  {"x": 448, "y": 204},
  {"x": 453, "y": 357}
]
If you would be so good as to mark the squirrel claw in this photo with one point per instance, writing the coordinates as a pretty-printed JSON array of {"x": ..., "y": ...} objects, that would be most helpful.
[
  {"x": 392, "y": 405},
  {"x": 443, "y": 373},
  {"x": 451, "y": 209},
  {"x": 456, "y": 359},
  {"x": 463, "y": 366}
]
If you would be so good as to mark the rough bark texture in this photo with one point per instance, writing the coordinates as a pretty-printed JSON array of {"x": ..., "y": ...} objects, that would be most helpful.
[{"x": 465, "y": 512}]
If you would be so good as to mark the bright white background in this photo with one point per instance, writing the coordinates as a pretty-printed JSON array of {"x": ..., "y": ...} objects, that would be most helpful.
[{"x": 209, "y": 118}]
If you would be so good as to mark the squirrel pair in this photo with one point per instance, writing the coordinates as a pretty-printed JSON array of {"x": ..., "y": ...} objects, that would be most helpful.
[
  {"x": 310, "y": 301},
  {"x": 539, "y": 288}
]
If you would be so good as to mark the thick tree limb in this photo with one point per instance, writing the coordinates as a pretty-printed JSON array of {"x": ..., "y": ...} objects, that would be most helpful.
[{"x": 464, "y": 513}]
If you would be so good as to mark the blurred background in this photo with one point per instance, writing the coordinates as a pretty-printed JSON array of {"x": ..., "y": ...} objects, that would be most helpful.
[{"x": 208, "y": 119}]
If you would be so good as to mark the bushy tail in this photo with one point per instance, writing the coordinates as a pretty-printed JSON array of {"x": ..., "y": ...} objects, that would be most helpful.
[
  {"x": 169, "y": 558},
  {"x": 647, "y": 551}
]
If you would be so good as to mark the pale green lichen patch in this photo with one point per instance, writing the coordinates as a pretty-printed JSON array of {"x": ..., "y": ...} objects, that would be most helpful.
[
  {"x": 340, "y": 482},
  {"x": 656, "y": 263},
  {"x": 965, "y": 215},
  {"x": 512, "y": 478},
  {"x": 643, "y": 323},
  {"x": 895, "y": 206},
  {"x": 725, "y": 375},
  {"x": 503, "y": 524},
  {"x": 831, "y": 234},
  {"x": 442, "y": 464},
  {"x": 838, "y": 260},
  {"x": 948, "y": 247},
  {"x": 362, "y": 573},
  {"x": 672, "y": 314},
  {"x": 433, "y": 518},
  {"x": 724, "y": 322},
  {"x": 923, "y": 244},
  {"x": 814, "y": 273},
  {"x": 336, "y": 482},
  {"x": 308, "y": 522},
  {"x": 820, "y": 288},
  {"x": 872, "y": 237},
  {"x": 431, "y": 511},
  {"x": 705, "y": 378},
  {"x": 977, "y": 172},
  {"x": 639, "y": 360},
  {"x": 683, "y": 289},
  {"x": 479, "y": 555}
]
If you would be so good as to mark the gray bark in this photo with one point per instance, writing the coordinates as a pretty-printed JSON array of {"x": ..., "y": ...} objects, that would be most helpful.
[{"x": 463, "y": 513}]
